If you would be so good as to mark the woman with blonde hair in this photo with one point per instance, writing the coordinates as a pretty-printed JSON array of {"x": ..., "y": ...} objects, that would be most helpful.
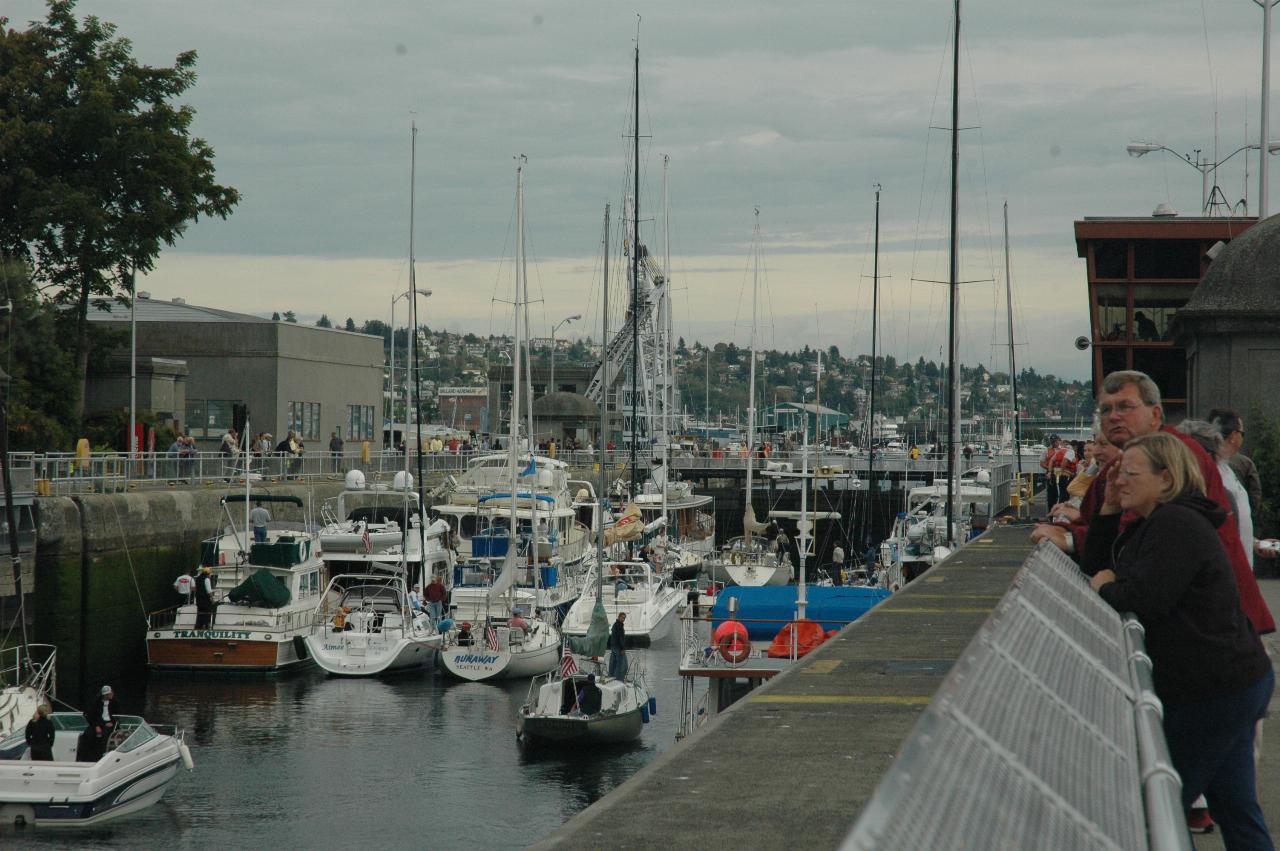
[{"x": 1211, "y": 673}]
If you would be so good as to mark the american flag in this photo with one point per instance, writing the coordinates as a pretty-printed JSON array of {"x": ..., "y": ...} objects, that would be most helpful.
[
  {"x": 368, "y": 542},
  {"x": 568, "y": 667},
  {"x": 490, "y": 635}
]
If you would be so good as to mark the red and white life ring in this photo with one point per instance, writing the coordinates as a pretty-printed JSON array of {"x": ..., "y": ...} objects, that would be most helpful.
[{"x": 730, "y": 639}]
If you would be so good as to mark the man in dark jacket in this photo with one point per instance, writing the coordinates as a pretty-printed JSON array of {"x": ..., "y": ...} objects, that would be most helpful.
[
  {"x": 101, "y": 717},
  {"x": 618, "y": 647},
  {"x": 204, "y": 598}
]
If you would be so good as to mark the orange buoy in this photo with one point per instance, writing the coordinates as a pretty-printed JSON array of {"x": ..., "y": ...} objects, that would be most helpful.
[{"x": 730, "y": 638}]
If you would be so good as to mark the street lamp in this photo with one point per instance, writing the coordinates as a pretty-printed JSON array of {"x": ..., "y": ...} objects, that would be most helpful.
[
  {"x": 422, "y": 293},
  {"x": 555, "y": 328},
  {"x": 1201, "y": 164}
]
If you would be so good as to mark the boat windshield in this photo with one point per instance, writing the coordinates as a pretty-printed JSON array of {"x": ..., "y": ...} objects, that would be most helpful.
[{"x": 132, "y": 732}]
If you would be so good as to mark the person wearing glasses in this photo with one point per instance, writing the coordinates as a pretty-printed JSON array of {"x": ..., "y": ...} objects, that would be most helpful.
[
  {"x": 1129, "y": 407},
  {"x": 1210, "y": 670}
]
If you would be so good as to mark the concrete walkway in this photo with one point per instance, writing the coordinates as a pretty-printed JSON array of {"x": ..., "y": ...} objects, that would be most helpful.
[{"x": 793, "y": 764}]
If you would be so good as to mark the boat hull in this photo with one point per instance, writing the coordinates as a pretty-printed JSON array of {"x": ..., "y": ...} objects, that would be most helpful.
[
  {"x": 341, "y": 659},
  {"x": 129, "y": 794},
  {"x": 478, "y": 664},
  {"x": 756, "y": 575},
  {"x": 535, "y": 730},
  {"x": 222, "y": 650}
]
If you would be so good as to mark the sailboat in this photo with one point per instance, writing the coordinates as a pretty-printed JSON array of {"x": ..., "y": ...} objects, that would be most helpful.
[
  {"x": 747, "y": 560},
  {"x": 553, "y": 712},
  {"x": 509, "y": 646}
]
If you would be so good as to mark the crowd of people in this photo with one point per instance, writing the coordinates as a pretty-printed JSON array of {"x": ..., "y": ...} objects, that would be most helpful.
[{"x": 1160, "y": 519}]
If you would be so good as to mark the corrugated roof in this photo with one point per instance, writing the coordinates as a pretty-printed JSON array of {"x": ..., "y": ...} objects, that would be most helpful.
[{"x": 164, "y": 310}]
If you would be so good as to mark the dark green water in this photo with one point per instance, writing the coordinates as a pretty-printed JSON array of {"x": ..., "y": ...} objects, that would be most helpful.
[{"x": 310, "y": 762}]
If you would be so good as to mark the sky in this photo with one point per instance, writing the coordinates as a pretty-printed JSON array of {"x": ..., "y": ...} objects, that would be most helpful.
[{"x": 799, "y": 109}]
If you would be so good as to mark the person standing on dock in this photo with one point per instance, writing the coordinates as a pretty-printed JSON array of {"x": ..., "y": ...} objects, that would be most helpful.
[
  {"x": 258, "y": 519},
  {"x": 1050, "y": 476},
  {"x": 335, "y": 451},
  {"x": 618, "y": 647}
]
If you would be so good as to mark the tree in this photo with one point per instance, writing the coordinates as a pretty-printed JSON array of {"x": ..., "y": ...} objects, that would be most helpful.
[
  {"x": 275, "y": 316},
  {"x": 97, "y": 166},
  {"x": 323, "y": 321},
  {"x": 290, "y": 317},
  {"x": 350, "y": 324}
]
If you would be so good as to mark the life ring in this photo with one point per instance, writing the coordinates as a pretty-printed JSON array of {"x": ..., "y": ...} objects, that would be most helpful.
[{"x": 731, "y": 641}]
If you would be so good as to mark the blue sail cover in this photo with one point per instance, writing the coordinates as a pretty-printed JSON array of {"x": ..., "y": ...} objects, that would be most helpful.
[{"x": 832, "y": 607}]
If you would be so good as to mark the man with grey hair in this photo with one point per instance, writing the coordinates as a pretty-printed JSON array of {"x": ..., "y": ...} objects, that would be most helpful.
[{"x": 1129, "y": 406}]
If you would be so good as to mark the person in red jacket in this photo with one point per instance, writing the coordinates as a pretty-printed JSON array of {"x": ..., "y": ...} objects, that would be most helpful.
[{"x": 1129, "y": 406}]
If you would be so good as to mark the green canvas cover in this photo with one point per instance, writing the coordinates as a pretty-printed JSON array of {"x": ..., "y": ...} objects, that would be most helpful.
[
  {"x": 597, "y": 637},
  {"x": 260, "y": 589}
]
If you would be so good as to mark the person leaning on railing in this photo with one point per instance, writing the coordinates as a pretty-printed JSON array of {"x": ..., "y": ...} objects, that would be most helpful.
[{"x": 1169, "y": 568}]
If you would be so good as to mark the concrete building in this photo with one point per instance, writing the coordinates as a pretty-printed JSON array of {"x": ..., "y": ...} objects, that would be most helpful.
[
  {"x": 292, "y": 377},
  {"x": 463, "y": 408},
  {"x": 1229, "y": 327},
  {"x": 1141, "y": 272}
]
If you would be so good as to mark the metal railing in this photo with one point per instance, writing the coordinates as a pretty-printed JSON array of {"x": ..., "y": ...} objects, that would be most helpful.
[
  {"x": 1045, "y": 734},
  {"x": 281, "y": 622}
]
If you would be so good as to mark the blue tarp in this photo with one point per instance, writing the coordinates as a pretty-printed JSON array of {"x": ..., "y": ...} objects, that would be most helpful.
[{"x": 832, "y": 607}]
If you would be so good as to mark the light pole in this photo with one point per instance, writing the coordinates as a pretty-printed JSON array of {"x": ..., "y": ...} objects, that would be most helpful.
[
  {"x": 392, "y": 382},
  {"x": 1205, "y": 167},
  {"x": 554, "y": 329},
  {"x": 1266, "y": 104}
]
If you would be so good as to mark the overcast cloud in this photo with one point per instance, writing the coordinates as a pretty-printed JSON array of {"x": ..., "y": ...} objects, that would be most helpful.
[{"x": 798, "y": 108}]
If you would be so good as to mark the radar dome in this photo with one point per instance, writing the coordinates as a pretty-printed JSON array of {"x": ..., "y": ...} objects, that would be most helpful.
[
  {"x": 355, "y": 480},
  {"x": 403, "y": 481},
  {"x": 983, "y": 477}
]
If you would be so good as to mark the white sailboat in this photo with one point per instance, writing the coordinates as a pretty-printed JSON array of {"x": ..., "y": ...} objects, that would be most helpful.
[
  {"x": 509, "y": 646},
  {"x": 365, "y": 627},
  {"x": 747, "y": 560}
]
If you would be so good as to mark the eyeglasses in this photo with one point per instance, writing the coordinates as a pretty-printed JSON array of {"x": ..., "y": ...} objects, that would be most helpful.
[{"x": 1124, "y": 408}]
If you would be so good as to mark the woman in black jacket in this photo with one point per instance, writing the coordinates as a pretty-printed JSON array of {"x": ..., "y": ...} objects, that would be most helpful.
[{"x": 1211, "y": 672}]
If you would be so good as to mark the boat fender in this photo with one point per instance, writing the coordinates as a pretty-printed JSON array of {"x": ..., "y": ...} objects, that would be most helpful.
[
  {"x": 186, "y": 756},
  {"x": 653, "y": 706},
  {"x": 644, "y": 713}
]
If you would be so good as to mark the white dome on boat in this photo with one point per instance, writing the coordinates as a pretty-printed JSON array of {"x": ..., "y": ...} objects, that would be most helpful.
[
  {"x": 355, "y": 480},
  {"x": 983, "y": 477},
  {"x": 403, "y": 481}
]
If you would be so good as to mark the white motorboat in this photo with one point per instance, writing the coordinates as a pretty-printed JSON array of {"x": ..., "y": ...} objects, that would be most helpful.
[
  {"x": 28, "y": 676},
  {"x": 380, "y": 529},
  {"x": 364, "y": 627},
  {"x": 140, "y": 761},
  {"x": 918, "y": 538},
  {"x": 265, "y": 593},
  {"x": 647, "y": 597},
  {"x": 502, "y": 650}
]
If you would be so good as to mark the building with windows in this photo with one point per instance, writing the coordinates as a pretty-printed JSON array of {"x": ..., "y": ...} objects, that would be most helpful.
[
  {"x": 292, "y": 377},
  {"x": 1141, "y": 272}
]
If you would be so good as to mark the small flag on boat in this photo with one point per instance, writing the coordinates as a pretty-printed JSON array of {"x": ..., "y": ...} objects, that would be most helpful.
[
  {"x": 532, "y": 469},
  {"x": 368, "y": 542},
  {"x": 491, "y": 635},
  {"x": 568, "y": 667}
]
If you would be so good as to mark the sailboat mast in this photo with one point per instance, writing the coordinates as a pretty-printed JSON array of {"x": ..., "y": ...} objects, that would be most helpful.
[
  {"x": 635, "y": 275},
  {"x": 413, "y": 345},
  {"x": 604, "y": 410},
  {"x": 871, "y": 409},
  {"x": 751, "y": 387},
  {"x": 953, "y": 394},
  {"x": 513, "y": 440},
  {"x": 665, "y": 348},
  {"x": 1013, "y": 367}
]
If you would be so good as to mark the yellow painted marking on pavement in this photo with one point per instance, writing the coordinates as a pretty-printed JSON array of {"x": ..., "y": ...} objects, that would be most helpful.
[
  {"x": 930, "y": 610},
  {"x": 936, "y": 579},
  {"x": 848, "y": 699},
  {"x": 825, "y": 666},
  {"x": 957, "y": 596}
]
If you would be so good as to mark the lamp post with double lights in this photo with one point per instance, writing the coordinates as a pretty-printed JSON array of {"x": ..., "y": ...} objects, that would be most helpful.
[
  {"x": 422, "y": 293},
  {"x": 554, "y": 329},
  {"x": 1203, "y": 165}
]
